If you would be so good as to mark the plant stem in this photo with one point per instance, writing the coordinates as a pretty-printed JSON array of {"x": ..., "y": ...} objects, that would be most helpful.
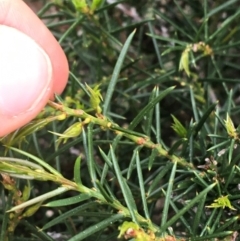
[{"x": 138, "y": 138}]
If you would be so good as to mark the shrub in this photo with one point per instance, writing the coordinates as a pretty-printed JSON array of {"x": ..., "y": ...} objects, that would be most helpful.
[{"x": 144, "y": 142}]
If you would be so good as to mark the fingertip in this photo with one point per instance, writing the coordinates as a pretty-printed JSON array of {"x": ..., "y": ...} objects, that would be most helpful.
[
  {"x": 16, "y": 14},
  {"x": 26, "y": 79}
]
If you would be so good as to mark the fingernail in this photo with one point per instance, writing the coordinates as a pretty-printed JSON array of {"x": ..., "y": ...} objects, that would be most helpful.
[{"x": 25, "y": 72}]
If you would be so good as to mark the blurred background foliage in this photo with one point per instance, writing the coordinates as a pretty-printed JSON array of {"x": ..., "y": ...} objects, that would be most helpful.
[{"x": 191, "y": 185}]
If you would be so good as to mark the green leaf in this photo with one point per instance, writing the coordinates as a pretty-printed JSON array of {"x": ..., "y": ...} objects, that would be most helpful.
[
  {"x": 18, "y": 136},
  {"x": 215, "y": 236},
  {"x": 225, "y": 24},
  {"x": 26, "y": 191},
  {"x": 148, "y": 108},
  {"x": 152, "y": 157},
  {"x": 186, "y": 17},
  {"x": 103, "y": 192},
  {"x": 177, "y": 145},
  {"x": 38, "y": 160},
  {"x": 105, "y": 157},
  {"x": 221, "y": 202},
  {"x": 5, "y": 220},
  {"x": 165, "y": 169},
  {"x": 141, "y": 185},
  {"x": 31, "y": 210},
  {"x": 200, "y": 210},
  {"x": 71, "y": 28},
  {"x": 127, "y": 194},
  {"x": 203, "y": 119},
  {"x": 171, "y": 40},
  {"x": 40, "y": 198},
  {"x": 230, "y": 127},
  {"x": 156, "y": 46},
  {"x": 77, "y": 171},
  {"x": 182, "y": 218},
  {"x": 179, "y": 128},
  {"x": 116, "y": 71},
  {"x": 221, "y": 144},
  {"x": 132, "y": 165},
  {"x": 34, "y": 230},
  {"x": 227, "y": 223},
  {"x": 81, "y": 6},
  {"x": 230, "y": 176},
  {"x": 95, "y": 98},
  {"x": 168, "y": 195},
  {"x": 173, "y": 24},
  {"x": 26, "y": 172},
  {"x": 149, "y": 116},
  {"x": 68, "y": 201},
  {"x": 221, "y": 7},
  {"x": 184, "y": 62},
  {"x": 91, "y": 162},
  {"x": 71, "y": 132},
  {"x": 95, "y": 4},
  {"x": 187, "y": 207},
  {"x": 97, "y": 227},
  {"x": 231, "y": 148},
  {"x": 73, "y": 212},
  {"x": 21, "y": 162}
]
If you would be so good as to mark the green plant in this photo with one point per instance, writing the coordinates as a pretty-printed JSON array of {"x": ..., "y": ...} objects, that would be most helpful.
[{"x": 154, "y": 129}]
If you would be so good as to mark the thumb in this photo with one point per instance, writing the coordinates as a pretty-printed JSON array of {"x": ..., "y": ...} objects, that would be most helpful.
[{"x": 25, "y": 79}]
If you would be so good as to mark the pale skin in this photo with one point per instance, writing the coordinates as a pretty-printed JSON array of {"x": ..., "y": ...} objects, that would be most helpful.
[{"x": 33, "y": 66}]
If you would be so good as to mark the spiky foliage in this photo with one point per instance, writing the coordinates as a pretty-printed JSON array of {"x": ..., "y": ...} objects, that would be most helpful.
[{"x": 144, "y": 142}]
